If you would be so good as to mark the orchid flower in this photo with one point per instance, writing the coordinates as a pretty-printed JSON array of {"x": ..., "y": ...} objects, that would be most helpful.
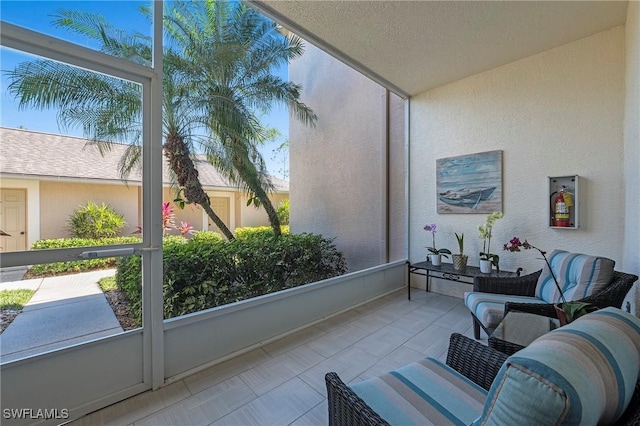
[
  {"x": 515, "y": 244},
  {"x": 485, "y": 231},
  {"x": 432, "y": 228}
]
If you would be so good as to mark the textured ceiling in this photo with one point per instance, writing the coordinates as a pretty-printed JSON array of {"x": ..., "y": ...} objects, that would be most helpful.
[{"x": 413, "y": 46}]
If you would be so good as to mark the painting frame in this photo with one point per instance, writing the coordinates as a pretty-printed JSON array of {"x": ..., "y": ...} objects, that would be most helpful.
[{"x": 470, "y": 183}]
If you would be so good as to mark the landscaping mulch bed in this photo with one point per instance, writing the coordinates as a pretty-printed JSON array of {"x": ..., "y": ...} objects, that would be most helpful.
[
  {"x": 120, "y": 306},
  {"x": 6, "y": 317}
]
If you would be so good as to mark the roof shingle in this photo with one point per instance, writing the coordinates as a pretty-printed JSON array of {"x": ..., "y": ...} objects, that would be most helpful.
[{"x": 49, "y": 156}]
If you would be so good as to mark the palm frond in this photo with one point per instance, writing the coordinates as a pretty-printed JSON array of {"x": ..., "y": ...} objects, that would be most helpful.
[
  {"x": 88, "y": 24},
  {"x": 44, "y": 84},
  {"x": 218, "y": 74},
  {"x": 134, "y": 46},
  {"x": 131, "y": 160}
]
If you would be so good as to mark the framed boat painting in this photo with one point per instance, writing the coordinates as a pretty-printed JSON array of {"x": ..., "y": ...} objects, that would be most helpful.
[{"x": 470, "y": 183}]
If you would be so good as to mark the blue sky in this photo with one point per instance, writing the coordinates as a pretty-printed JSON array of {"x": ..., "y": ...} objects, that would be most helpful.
[{"x": 36, "y": 15}]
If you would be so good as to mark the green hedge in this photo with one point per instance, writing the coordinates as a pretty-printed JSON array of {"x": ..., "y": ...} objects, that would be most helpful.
[
  {"x": 206, "y": 271},
  {"x": 76, "y": 265},
  {"x": 264, "y": 231}
]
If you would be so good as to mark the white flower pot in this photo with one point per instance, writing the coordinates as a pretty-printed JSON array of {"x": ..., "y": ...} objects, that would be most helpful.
[
  {"x": 485, "y": 266},
  {"x": 435, "y": 259}
]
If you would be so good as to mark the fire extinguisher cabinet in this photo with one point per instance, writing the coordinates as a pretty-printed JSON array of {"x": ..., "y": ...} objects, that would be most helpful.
[{"x": 564, "y": 202}]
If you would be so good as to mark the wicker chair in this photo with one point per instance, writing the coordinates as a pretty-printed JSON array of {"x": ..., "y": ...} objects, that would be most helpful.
[
  {"x": 612, "y": 295},
  {"x": 470, "y": 358}
]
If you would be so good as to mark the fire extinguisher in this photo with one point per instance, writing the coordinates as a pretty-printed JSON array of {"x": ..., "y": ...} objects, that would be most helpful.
[{"x": 561, "y": 205}]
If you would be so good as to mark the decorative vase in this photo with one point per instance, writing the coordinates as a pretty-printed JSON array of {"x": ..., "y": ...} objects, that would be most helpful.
[
  {"x": 460, "y": 261},
  {"x": 435, "y": 259},
  {"x": 485, "y": 266}
]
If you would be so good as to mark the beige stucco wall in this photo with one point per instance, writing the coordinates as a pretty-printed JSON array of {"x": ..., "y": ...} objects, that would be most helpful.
[
  {"x": 556, "y": 113},
  {"x": 337, "y": 169},
  {"x": 631, "y": 246},
  {"x": 241, "y": 215},
  {"x": 397, "y": 179},
  {"x": 58, "y": 200},
  {"x": 50, "y": 204},
  {"x": 252, "y": 216},
  {"x": 190, "y": 214}
]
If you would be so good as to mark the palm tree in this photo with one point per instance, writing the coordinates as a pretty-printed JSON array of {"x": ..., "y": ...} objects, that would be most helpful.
[
  {"x": 230, "y": 51},
  {"x": 216, "y": 76}
]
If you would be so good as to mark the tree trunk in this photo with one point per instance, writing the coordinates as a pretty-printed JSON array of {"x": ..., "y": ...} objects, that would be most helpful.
[
  {"x": 177, "y": 153},
  {"x": 216, "y": 219},
  {"x": 274, "y": 220},
  {"x": 249, "y": 176}
]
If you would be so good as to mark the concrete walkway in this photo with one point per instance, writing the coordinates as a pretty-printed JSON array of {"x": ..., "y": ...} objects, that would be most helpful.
[{"x": 65, "y": 310}]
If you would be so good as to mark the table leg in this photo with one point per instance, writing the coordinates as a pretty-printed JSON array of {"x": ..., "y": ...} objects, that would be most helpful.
[{"x": 408, "y": 281}]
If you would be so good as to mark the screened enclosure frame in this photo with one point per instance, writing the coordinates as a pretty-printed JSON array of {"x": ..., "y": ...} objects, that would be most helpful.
[{"x": 150, "y": 79}]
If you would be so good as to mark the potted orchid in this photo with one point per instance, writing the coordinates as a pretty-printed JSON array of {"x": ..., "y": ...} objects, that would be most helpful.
[
  {"x": 487, "y": 259},
  {"x": 460, "y": 259},
  {"x": 435, "y": 254},
  {"x": 566, "y": 311}
]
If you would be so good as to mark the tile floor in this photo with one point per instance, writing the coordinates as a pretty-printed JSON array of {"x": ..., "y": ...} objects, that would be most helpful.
[{"x": 282, "y": 383}]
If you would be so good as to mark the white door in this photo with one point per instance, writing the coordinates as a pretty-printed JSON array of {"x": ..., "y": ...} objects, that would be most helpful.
[
  {"x": 13, "y": 221},
  {"x": 220, "y": 205}
]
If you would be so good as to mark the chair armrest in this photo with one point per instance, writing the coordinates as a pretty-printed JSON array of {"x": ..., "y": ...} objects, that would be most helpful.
[
  {"x": 515, "y": 286},
  {"x": 544, "y": 309},
  {"x": 614, "y": 293},
  {"x": 347, "y": 408},
  {"x": 474, "y": 360},
  {"x": 632, "y": 415}
]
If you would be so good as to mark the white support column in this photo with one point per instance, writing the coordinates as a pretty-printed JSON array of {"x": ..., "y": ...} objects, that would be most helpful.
[{"x": 152, "y": 271}]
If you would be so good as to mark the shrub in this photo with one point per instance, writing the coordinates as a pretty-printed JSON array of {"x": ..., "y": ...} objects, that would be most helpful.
[
  {"x": 283, "y": 212},
  {"x": 93, "y": 221},
  {"x": 202, "y": 236},
  {"x": 129, "y": 281},
  {"x": 265, "y": 231},
  {"x": 107, "y": 284},
  {"x": 208, "y": 271},
  {"x": 76, "y": 265}
]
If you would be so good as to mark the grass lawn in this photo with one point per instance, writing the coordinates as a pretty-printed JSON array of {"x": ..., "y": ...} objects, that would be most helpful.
[
  {"x": 11, "y": 304},
  {"x": 108, "y": 283},
  {"x": 15, "y": 299}
]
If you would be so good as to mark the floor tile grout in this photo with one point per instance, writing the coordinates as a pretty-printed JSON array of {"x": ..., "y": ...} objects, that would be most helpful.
[{"x": 298, "y": 356}]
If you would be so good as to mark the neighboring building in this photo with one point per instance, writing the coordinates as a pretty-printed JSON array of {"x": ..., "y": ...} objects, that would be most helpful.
[
  {"x": 45, "y": 177},
  {"x": 357, "y": 197}
]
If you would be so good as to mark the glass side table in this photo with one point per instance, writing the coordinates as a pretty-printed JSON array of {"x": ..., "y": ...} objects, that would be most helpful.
[
  {"x": 446, "y": 271},
  {"x": 518, "y": 329}
]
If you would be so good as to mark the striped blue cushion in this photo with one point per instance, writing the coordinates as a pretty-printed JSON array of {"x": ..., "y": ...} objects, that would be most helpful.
[
  {"x": 582, "y": 373},
  {"x": 423, "y": 393},
  {"x": 489, "y": 307},
  {"x": 579, "y": 275}
]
